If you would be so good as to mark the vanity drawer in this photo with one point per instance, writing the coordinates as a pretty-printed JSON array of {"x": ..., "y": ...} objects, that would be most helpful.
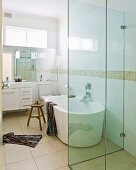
[
  {"x": 26, "y": 101},
  {"x": 10, "y": 99},
  {"x": 26, "y": 93},
  {"x": 16, "y": 98},
  {"x": 26, "y": 90}
]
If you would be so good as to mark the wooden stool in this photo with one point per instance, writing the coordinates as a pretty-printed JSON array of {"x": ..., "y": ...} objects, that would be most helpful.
[{"x": 39, "y": 108}]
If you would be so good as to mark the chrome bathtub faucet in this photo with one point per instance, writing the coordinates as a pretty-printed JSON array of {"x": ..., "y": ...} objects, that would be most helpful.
[{"x": 87, "y": 96}]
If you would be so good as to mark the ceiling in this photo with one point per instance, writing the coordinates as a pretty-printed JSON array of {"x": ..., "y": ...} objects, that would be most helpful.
[{"x": 52, "y": 8}]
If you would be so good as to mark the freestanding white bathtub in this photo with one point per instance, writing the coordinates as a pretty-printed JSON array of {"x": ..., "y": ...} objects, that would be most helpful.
[{"x": 85, "y": 121}]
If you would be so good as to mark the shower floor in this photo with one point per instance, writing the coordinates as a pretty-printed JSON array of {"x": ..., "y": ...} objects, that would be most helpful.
[
  {"x": 77, "y": 155},
  {"x": 120, "y": 160}
]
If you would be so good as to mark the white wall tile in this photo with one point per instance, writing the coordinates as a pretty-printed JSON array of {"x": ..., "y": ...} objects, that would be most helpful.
[{"x": 130, "y": 117}]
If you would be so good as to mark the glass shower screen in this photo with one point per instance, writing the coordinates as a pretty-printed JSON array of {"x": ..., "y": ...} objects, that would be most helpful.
[
  {"x": 87, "y": 71},
  {"x": 96, "y": 57}
]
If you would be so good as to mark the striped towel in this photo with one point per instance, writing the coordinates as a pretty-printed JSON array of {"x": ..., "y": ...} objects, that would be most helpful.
[{"x": 52, "y": 128}]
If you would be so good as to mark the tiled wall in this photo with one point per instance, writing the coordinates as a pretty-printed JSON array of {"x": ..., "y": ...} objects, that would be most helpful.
[
  {"x": 46, "y": 65},
  {"x": 130, "y": 86}
]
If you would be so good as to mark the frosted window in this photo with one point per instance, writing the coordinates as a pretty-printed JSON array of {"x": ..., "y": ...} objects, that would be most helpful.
[
  {"x": 15, "y": 36},
  {"x": 79, "y": 43},
  {"x": 87, "y": 44},
  {"x": 74, "y": 43},
  {"x": 37, "y": 38}
]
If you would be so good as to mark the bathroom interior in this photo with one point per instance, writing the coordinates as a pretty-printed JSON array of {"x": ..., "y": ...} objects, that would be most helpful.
[{"x": 80, "y": 55}]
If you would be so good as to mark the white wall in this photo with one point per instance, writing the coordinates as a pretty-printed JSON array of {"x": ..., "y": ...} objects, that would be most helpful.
[
  {"x": 130, "y": 86},
  {"x": 32, "y": 22},
  {"x": 63, "y": 52}
]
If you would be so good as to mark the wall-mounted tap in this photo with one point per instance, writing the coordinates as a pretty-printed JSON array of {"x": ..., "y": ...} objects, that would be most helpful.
[
  {"x": 88, "y": 86},
  {"x": 87, "y": 96}
]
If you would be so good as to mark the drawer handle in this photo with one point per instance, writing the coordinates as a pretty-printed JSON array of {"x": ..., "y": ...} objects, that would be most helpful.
[
  {"x": 26, "y": 98},
  {"x": 9, "y": 92},
  {"x": 26, "y": 91}
]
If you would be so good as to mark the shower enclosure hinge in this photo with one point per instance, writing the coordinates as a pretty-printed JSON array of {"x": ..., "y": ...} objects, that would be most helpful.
[
  {"x": 122, "y": 135},
  {"x": 123, "y": 27}
]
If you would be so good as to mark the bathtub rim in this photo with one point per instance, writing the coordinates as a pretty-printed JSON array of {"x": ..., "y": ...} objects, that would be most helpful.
[
  {"x": 48, "y": 98},
  {"x": 75, "y": 113}
]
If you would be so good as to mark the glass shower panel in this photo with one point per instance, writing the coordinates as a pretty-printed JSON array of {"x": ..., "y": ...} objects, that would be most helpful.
[
  {"x": 115, "y": 82},
  {"x": 87, "y": 58},
  {"x": 121, "y": 115}
]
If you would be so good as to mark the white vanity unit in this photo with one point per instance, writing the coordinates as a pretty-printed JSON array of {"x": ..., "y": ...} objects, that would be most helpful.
[
  {"x": 20, "y": 95},
  {"x": 17, "y": 96}
]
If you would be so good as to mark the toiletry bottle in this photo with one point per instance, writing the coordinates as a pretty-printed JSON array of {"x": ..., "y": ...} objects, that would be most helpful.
[
  {"x": 16, "y": 78},
  {"x": 41, "y": 78},
  {"x": 7, "y": 79}
]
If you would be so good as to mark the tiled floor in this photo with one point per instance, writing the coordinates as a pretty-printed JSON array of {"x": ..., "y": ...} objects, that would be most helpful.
[{"x": 52, "y": 154}]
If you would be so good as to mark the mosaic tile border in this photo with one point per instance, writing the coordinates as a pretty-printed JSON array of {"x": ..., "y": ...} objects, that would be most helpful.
[
  {"x": 94, "y": 73},
  {"x": 120, "y": 75}
]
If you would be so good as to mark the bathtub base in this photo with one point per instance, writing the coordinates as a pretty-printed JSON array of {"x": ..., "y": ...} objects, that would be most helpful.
[
  {"x": 83, "y": 139},
  {"x": 85, "y": 124}
]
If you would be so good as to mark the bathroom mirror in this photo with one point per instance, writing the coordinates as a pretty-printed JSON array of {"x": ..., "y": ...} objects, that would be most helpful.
[
  {"x": 25, "y": 64},
  {"x": 20, "y": 63}
]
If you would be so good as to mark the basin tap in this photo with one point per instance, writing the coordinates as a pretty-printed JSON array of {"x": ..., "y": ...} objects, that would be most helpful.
[
  {"x": 5, "y": 85},
  {"x": 87, "y": 97}
]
